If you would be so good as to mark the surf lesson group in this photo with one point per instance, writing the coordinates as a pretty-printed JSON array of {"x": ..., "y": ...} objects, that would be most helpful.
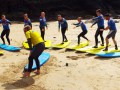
[{"x": 37, "y": 43}]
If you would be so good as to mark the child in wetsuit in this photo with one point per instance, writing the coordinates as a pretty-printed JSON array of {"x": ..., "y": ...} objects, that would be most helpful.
[
  {"x": 43, "y": 24},
  {"x": 84, "y": 29},
  {"x": 27, "y": 21},
  {"x": 64, "y": 26},
  {"x": 6, "y": 29},
  {"x": 100, "y": 23},
  {"x": 112, "y": 33}
]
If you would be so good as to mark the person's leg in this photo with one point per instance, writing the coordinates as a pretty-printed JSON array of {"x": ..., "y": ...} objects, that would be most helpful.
[
  {"x": 102, "y": 38},
  {"x": 62, "y": 31},
  {"x": 114, "y": 41},
  {"x": 85, "y": 32},
  {"x": 30, "y": 63},
  {"x": 37, "y": 52},
  {"x": 7, "y": 36},
  {"x": 110, "y": 34},
  {"x": 80, "y": 35},
  {"x": 65, "y": 35},
  {"x": 42, "y": 32},
  {"x": 107, "y": 43},
  {"x": 2, "y": 36},
  {"x": 96, "y": 39}
]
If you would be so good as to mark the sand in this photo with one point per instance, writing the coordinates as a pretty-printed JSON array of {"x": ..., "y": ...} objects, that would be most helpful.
[{"x": 84, "y": 72}]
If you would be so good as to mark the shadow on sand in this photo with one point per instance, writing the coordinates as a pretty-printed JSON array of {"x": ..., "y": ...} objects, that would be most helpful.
[{"x": 19, "y": 84}]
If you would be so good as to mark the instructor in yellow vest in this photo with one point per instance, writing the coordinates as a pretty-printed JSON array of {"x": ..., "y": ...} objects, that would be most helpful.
[{"x": 36, "y": 40}]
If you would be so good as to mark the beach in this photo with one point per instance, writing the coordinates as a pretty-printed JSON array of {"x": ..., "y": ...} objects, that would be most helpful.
[{"x": 84, "y": 72}]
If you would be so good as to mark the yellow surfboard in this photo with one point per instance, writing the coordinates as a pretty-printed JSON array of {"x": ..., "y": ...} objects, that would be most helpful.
[
  {"x": 61, "y": 46},
  {"x": 48, "y": 44},
  {"x": 1, "y": 52},
  {"x": 88, "y": 49},
  {"x": 74, "y": 47},
  {"x": 110, "y": 50}
]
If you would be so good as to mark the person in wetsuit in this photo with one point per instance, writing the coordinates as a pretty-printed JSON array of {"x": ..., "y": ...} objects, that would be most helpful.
[
  {"x": 64, "y": 26},
  {"x": 100, "y": 23},
  {"x": 112, "y": 33},
  {"x": 33, "y": 38},
  {"x": 84, "y": 29},
  {"x": 27, "y": 21},
  {"x": 43, "y": 24},
  {"x": 6, "y": 29}
]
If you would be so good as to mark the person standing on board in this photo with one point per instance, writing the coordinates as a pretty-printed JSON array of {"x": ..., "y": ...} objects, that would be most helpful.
[
  {"x": 6, "y": 29},
  {"x": 112, "y": 33},
  {"x": 100, "y": 23},
  {"x": 64, "y": 27}
]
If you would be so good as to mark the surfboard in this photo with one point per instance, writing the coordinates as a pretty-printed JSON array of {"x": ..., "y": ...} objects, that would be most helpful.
[
  {"x": 9, "y": 47},
  {"x": 86, "y": 49},
  {"x": 43, "y": 58},
  {"x": 1, "y": 52},
  {"x": 61, "y": 46},
  {"x": 111, "y": 50},
  {"x": 48, "y": 44},
  {"x": 74, "y": 47},
  {"x": 109, "y": 55}
]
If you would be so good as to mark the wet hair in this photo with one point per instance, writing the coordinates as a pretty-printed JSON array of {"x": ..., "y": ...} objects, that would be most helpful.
[
  {"x": 99, "y": 10},
  {"x": 107, "y": 15},
  {"x": 27, "y": 27}
]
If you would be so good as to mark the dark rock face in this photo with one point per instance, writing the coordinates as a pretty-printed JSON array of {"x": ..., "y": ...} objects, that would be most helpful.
[{"x": 69, "y": 8}]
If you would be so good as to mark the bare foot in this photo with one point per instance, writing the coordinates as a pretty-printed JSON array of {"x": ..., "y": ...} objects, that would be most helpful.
[
  {"x": 26, "y": 74},
  {"x": 37, "y": 72}
]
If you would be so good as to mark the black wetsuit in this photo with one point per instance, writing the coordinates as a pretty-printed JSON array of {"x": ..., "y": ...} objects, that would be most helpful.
[
  {"x": 100, "y": 22},
  {"x": 64, "y": 26},
  {"x": 6, "y": 30},
  {"x": 36, "y": 52},
  {"x": 84, "y": 31},
  {"x": 42, "y": 26}
]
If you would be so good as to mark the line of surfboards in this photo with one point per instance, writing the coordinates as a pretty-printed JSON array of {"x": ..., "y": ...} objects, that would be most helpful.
[{"x": 82, "y": 48}]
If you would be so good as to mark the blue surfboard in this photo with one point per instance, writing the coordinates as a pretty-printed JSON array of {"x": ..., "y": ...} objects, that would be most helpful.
[
  {"x": 43, "y": 58},
  {"x": 109, "y": 55},
  {"x": 9, "y": 48}
]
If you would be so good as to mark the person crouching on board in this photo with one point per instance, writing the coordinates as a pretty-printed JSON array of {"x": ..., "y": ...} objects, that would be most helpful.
[
  {"x": 27, "y": 21},
  {"x": 84, "y": 29},
  {"x": 6, "y": 29},
  {"x": 36, "y": 40},
  {"x": 64, "y": 26},
  {"x": 112, "y": 33}
]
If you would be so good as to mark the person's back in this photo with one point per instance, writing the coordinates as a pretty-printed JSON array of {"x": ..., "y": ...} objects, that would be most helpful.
[
  {"x": 112, "y": 25},
  {"x": 100, "y": 21},
  {"x": 35, "y": 37}
]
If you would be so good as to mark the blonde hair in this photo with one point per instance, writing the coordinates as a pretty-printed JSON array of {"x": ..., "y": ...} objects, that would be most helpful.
[{"x": 27, "y": 27}]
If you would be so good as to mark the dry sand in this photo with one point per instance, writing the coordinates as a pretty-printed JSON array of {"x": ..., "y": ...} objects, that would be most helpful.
[{"x": 83, "y": 72}]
